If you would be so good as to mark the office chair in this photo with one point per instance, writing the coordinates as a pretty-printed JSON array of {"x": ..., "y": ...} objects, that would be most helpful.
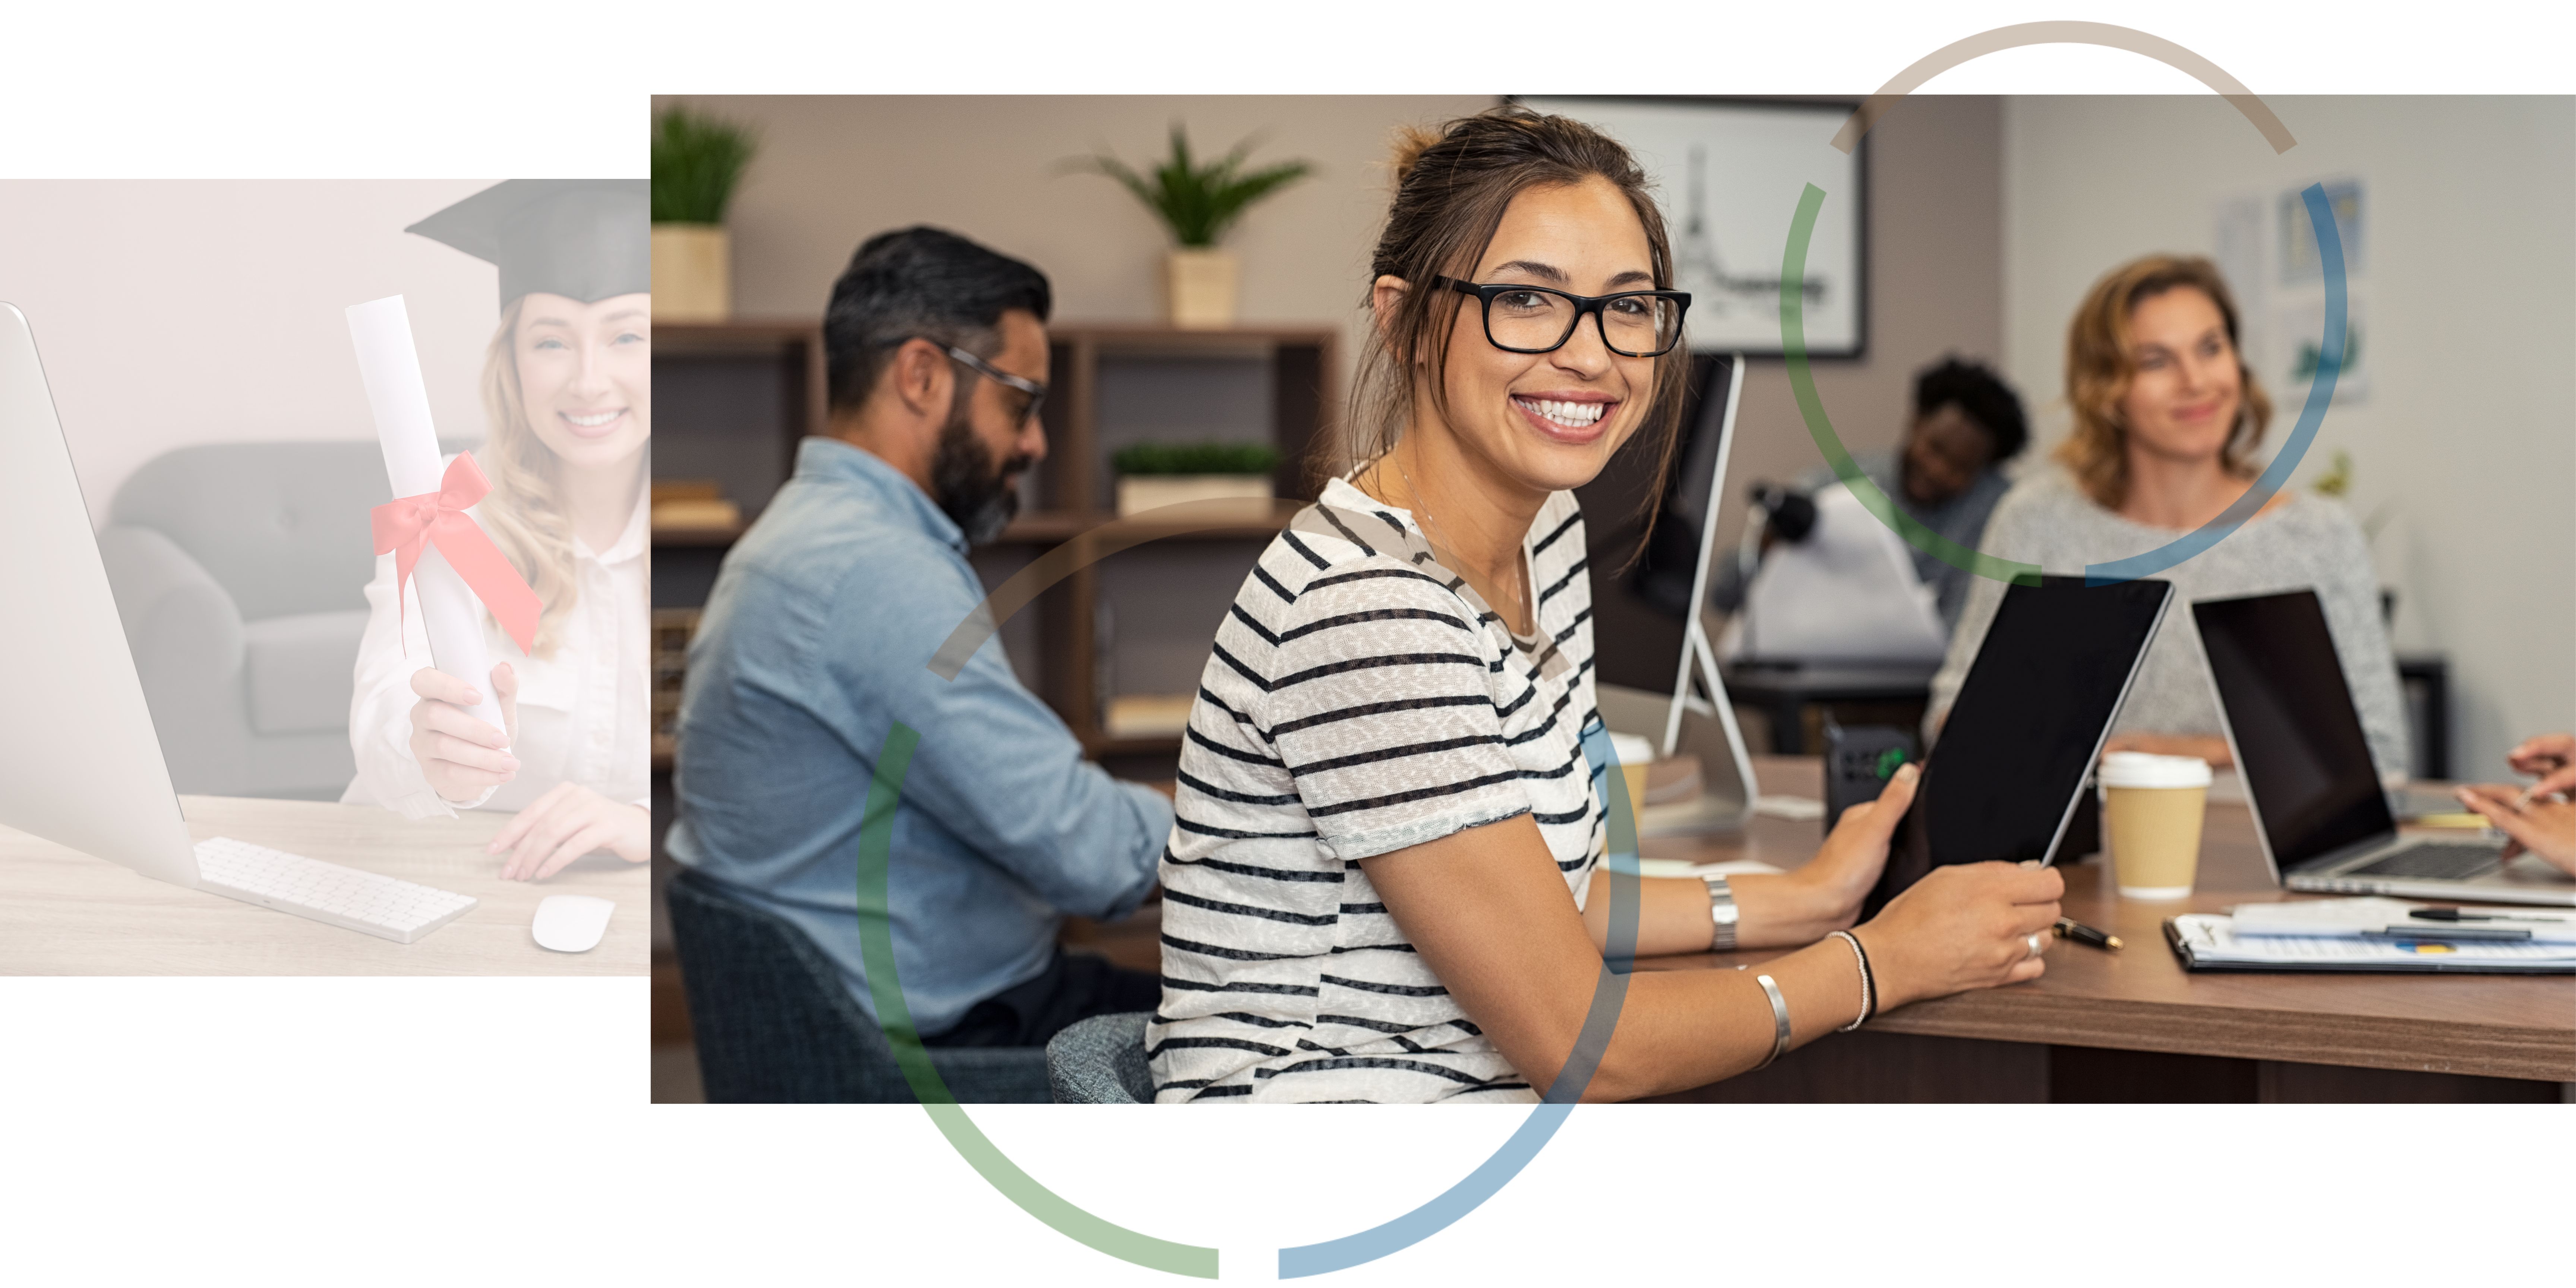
[
  {"x": 774, "y": 1024},
  {"x": 1101, "y": 1061}
]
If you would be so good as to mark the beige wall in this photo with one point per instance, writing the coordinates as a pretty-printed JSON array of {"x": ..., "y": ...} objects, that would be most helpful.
[{"x": 832, "y": 171}]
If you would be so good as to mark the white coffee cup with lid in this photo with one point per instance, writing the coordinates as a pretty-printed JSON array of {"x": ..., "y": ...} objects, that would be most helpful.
[{"x": 2152, "y": 807}]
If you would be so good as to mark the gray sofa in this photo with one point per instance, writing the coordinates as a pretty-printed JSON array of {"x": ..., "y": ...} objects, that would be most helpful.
[{"x": 240, "y": 571}]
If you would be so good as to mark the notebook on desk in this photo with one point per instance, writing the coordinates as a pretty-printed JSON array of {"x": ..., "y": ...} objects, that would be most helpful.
[{"x": 2211, "y": 942}]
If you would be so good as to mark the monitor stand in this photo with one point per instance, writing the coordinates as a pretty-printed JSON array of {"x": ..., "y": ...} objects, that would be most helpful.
[{"x": 1701, "y": 724}]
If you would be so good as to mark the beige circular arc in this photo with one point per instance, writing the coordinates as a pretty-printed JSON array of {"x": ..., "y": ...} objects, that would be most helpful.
[{"x": 2104, "y": 34}]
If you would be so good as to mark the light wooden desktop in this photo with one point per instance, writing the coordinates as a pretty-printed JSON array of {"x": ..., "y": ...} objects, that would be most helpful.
[
  {"x": 65, "y": 913},
  {"x": 2110, "y": 1014}
]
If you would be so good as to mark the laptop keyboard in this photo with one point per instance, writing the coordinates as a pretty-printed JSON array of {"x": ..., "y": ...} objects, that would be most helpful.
[{"x": 2440, "y": 861}]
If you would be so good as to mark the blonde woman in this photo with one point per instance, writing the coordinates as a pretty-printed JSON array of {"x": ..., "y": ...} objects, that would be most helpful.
[
  {"x": 567, "y": 392},
  {"x": 2168, "y": 419}
]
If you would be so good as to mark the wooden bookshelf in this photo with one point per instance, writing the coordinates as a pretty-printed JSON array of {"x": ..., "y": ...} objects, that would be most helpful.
[{"x": 782, "y": 361}]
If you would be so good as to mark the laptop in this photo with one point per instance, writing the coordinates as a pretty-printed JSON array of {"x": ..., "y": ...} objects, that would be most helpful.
[
  {"x": 81, "y": 765},
  {"x": 2005, "y": 778},
  {"x": 1654, "y": 674},
  {"x": 2319, "y": 813}
]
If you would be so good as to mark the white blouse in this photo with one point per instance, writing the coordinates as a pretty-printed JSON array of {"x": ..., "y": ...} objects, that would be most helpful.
[{"x": 584, "y": 714}]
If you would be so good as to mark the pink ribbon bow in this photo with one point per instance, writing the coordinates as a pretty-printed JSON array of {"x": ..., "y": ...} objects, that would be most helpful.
[{"x": 404, "y": 524}]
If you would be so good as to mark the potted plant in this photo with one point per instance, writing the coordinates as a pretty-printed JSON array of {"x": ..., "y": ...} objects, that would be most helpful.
[
  {"x": 1198, "y": 203},
  {"x": 697, "y": 160},
  {"x": 1152, "y": 475}
]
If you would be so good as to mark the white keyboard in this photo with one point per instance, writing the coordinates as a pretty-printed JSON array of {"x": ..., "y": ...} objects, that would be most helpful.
[{"x": 326, "y": 892}]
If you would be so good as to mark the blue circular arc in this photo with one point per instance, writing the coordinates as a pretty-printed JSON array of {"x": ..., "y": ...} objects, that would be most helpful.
[{"x": 1536, "y": 1130}]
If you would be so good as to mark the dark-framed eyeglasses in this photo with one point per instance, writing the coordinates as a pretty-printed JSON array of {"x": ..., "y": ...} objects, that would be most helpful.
[
  {"x": 1034, "y": 391},
  {"x": 1540, "y": 319}
]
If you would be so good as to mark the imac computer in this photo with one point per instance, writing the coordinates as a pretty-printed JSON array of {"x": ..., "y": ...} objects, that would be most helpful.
[
  {"x": 1653, "y": 670},
  {"x": 80, "y": 764}
]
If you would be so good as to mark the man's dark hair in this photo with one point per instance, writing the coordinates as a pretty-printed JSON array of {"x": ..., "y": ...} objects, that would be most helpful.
[
  {"x": 920, "y": 282},
  {"x": 1981, "y": 395}
]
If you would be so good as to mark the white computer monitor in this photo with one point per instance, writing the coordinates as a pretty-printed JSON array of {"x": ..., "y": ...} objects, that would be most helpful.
[
  {"x": 1654, "y": 672},
  {"x": 79, "y": 762}
]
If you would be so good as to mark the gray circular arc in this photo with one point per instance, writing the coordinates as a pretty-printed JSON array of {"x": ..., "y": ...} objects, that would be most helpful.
[
  {"x": 1602, "y": 1015},
  {"x": 2107, "y": 35}
]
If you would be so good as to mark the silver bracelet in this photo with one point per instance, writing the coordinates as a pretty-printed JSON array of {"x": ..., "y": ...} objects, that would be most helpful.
[
  {"x": 1779, "y": 1021},
  {"x": 1722, "y": 913},
  {"x": 1868, "y": 991}
]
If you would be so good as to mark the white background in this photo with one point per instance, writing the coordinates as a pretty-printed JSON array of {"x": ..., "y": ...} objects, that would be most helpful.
[{"x": 291, "y": 1132}]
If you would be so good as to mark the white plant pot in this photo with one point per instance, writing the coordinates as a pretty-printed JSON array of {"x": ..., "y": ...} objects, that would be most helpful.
[
  {"x": 692, "y": 273},
  {"x": 1199, "y": 287},
  {"x": 1141, "y": 492}
]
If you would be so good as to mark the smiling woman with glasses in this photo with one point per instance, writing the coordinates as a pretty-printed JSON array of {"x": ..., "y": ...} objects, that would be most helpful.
[{"x": 1379, "y": 879}]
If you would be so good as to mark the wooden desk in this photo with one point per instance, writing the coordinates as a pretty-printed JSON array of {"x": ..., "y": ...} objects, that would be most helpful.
[
  {"x": 2277, "y": 1036},
  {"x": 65, "y": 913}
]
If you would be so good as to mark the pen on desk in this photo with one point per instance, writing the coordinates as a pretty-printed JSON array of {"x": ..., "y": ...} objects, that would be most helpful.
[
  {"x": 2456, "y": 914},
  {"x": 2084, "y": 934}
]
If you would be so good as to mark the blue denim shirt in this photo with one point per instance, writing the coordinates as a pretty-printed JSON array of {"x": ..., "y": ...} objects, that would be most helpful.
[{"x": 817, "y": 638}]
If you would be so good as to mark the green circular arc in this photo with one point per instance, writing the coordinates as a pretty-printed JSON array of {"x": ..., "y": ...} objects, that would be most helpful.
[
  {"x": 876, "y": 948},
  {"x": 1802, "y": 382}
]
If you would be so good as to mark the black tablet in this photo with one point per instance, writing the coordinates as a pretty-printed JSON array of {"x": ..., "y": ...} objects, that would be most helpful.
[{"x": 2028, "y": 724}]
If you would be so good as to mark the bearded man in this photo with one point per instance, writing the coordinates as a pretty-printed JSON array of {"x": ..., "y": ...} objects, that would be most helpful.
[{"x": 816, "y": 643}]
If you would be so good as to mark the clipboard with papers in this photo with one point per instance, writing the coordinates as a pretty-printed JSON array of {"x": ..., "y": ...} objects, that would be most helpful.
[{"x": 2374, "y": 934}]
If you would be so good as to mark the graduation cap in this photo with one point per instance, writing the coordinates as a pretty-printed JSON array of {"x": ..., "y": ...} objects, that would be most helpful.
[{"x": 587, "y": 239}]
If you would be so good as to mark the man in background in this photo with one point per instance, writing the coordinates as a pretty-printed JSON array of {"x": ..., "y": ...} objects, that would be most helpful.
[
  {"x": 1946, "y": 472},
  {"x": 816, "y": 644}
]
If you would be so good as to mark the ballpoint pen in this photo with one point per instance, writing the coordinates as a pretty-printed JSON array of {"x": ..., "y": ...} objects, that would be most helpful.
[{"x": 2068, "y": 928}]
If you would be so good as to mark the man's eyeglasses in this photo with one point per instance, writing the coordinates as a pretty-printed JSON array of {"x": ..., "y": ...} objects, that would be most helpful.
[
  {"x": 1035, "y": 392},
  {"x": 1540, "y": 319}
]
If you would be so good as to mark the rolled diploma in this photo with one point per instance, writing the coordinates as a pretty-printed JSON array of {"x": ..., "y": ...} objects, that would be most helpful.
[{"x": 451, "y": 614}]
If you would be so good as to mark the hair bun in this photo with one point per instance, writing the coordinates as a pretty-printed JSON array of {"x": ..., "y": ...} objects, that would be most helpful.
[{"x": 1411, "y": 141}]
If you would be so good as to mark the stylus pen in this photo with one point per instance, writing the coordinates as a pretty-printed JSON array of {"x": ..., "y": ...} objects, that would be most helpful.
[{"x": 2084, "y": 934}]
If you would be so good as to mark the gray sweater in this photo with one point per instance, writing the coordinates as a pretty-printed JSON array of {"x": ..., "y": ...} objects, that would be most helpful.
[{"x": 2305, "y": 542}]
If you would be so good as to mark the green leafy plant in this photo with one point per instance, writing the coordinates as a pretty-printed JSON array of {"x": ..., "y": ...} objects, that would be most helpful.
[
  {"x": 697, "y": 160},
  {"x": 1198, "y": 202},
  {"x": 1196, "y": 458}
]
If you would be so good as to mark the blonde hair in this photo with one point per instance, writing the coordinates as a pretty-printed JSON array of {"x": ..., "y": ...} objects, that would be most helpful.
[
  {"x": 2100, "y": 364},
  {"x": 524, "y": 512}
]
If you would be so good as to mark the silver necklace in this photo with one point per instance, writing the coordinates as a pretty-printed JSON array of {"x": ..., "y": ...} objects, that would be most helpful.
[{"x": 1429, "y": 523}]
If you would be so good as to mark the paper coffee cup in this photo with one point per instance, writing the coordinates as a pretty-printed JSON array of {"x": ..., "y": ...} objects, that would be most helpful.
[{"x": 2151, "y": 811}]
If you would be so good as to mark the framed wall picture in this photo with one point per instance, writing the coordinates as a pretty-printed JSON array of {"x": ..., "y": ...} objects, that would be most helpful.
[{"x": 1729, "y": 173}]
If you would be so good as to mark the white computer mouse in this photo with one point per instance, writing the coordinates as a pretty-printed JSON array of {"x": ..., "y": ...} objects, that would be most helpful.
[{"x": 571, "y": 923}]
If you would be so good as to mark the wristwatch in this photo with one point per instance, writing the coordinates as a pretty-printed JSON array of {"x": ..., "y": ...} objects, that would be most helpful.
[{"x": 1721, "y": 915}]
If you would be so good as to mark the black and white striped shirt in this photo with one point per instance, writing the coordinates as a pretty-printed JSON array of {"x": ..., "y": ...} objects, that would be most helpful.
[{"x": 1360, "y": 698}]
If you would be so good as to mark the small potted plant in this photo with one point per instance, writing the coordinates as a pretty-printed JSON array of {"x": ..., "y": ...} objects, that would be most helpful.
[
  {"x": 1152, "y": 475},
  {"x": 697, "y": 160},
  {"x": 1198, "y": 203}
]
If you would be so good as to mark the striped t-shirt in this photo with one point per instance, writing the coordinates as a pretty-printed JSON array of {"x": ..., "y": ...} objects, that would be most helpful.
[{"x": 1360, "y": 698}]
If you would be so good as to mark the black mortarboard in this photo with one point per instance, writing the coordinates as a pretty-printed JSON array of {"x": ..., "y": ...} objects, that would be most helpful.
[{"x": 583, "y": 238}]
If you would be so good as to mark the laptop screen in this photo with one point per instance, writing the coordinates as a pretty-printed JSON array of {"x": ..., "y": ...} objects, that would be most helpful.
[
  {"x": 2299, "y": 742},
  {"x": 2029, "y": 720}
]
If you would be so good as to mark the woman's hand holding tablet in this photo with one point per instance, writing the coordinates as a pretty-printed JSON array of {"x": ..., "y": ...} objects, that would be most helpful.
[{"x": 1963, "y": 926}]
